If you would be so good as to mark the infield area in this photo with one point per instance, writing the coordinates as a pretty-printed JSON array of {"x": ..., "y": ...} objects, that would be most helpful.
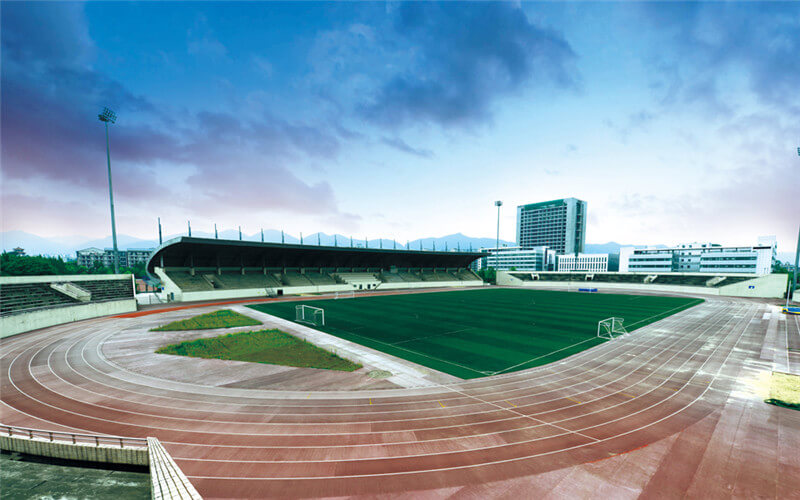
[{"x": 476, "y": 333}]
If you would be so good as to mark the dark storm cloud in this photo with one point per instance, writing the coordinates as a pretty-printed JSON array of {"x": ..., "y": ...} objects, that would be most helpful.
[
  {"x": 51, "y": 97},
  {"x": 703, "y": 40},
  {"x": 465, "y": 56}
]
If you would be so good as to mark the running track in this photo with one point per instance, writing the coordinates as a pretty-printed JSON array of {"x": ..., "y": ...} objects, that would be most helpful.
[{"x": 663, "y": 413}]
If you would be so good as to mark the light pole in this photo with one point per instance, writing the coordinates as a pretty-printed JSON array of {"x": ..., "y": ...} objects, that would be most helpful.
[
  {"x": 498, "y": 204},
  {"x": 108, "y": 116}
]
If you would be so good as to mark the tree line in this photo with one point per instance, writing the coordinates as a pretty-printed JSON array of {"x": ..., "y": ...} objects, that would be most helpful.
[{"x": 12, "y": 264}]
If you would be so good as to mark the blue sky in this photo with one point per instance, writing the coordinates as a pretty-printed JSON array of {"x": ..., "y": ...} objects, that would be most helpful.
[{"x": 676, "y": 122}]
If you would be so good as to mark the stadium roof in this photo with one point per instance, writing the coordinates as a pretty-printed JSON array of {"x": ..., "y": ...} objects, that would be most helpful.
[{"x": 204, "y": 252}]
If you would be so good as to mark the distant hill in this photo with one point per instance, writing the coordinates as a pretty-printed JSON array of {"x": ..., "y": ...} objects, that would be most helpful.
[{"x": 66, "y": 246}]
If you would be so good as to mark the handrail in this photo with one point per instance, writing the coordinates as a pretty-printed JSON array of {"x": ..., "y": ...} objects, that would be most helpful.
[{"x": 69, "y": 437}]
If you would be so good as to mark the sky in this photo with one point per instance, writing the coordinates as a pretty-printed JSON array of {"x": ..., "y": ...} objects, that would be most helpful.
[{"x": 676, "y": 122}]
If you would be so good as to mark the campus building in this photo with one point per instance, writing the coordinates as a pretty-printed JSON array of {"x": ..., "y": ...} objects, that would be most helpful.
[
  {"x": 89, "y": 257},
  {"x": 701, "y": 258},
  {"x": 589, "y": 262},
  {"x": 516, "y": 259},
  {"x": 558, "y": 224}
]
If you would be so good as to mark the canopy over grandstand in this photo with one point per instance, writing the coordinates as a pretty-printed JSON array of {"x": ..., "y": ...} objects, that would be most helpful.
[{"x": 202, "y": 252}]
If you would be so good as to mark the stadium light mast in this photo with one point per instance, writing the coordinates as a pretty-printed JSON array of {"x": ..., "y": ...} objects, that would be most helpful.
[
  {"x": 240, "y": 233},
  {"x": 793, "y": 283},
  {"x": 107, "y": 116},
  {"x": 159, "y": 231},
  {"x": 189, "y": 223},
  {"x": 498, "y": 204}
]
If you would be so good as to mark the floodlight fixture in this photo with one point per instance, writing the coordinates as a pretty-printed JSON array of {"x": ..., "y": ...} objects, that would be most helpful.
[{"x": 107, "y": 116}]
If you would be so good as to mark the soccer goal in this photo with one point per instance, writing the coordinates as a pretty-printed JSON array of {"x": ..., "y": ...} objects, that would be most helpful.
[
  {"x": 350, "y": 294},
  {"x": 311, "y": 315},
  {"x": 611, "y": 328}
]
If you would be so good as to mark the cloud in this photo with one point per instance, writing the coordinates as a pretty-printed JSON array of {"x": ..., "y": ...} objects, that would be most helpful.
[
  {"x": 401, "y": 145},
  {"x": 703, "y": 46},
  {"x": 263, "y": 65},
  {"x": 200, "y": 40},
  {"x": 45, "y": 32},
  {"x": 455, "y": 61},
  {"x": 51, "y": 132}
]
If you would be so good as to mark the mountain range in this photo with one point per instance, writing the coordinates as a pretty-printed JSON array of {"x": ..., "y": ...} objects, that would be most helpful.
[{"x": 66, "y": 246}]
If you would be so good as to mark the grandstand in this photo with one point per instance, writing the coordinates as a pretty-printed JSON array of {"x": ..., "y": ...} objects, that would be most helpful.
[
  {"x": 772, "y": 285},
  {"x": 30, "y": 302},
  {"x": 204, "y": 269}
]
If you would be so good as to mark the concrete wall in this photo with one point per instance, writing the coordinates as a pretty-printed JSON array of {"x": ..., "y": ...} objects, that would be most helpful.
[
  {"x": 14, "y": 324},
  {"x": 69, "y": 451},
  {"x": 769, "y": 286}
]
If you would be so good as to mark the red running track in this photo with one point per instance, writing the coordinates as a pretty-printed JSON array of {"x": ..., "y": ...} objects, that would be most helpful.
[{"x": 619, "y": 397}]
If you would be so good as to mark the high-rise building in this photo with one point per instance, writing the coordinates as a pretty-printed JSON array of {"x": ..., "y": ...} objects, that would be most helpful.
[{"x": 558, "y": 224}]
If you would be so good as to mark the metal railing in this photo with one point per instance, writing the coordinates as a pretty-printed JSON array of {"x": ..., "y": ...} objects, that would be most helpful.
[{"x": 69, "y": 437}]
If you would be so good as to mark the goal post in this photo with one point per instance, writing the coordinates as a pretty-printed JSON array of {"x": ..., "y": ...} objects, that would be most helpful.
[
  {"x": 311, "y": 315},
  {"x": 611, "y": 328},
  {"x": 350, "y": 294}
]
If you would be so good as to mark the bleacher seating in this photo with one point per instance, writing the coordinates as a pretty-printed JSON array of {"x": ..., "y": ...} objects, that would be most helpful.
[
  {"x": 730, "y": 280},
  {"x": 189, "y": 283},
  {"x": 467, "y": 275},
  {"x": 562, "y": 276},
  {"x": 19, "y": 297},
  {"x": 391, "y": 278},
  {"x": 640, "y": 279},
  {"x": 356, "y": 277},
  {"x": 666, "y": 279},
  {"x": 618, "y": 278},
  {"x": 294, "y": 278},
  {"x": 318, "y": 278},
  {"x": 523, "y": 276},
  {"x": 437, "y": 276},
  {"x": 102, "y": 290},
  {"x": 410, "y": 277},
  {"x": 24, "y": 297}
]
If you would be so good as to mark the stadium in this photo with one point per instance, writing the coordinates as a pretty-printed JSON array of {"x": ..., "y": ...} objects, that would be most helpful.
[{"x": 546, "y": 384}]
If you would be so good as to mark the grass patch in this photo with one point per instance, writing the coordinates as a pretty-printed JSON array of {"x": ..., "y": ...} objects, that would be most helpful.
[
  {"x": 784, "y": 390},
  {"x": 273, "y": 347},
  {"x": 474, "y": 333},
  {"x": 224, "y": 318}
]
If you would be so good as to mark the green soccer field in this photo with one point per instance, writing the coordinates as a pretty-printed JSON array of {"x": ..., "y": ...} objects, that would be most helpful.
[{"x": 474, "y": 333}]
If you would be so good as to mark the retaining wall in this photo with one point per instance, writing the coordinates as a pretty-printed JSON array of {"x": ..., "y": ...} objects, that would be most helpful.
[
  {"x": 27, "y": 321},
  {"x": 68, "y": 451}
]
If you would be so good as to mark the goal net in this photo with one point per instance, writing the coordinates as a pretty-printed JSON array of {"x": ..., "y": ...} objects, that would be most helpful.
[
  {"x": 311, "y": 315},
  {"x": 345, "y": 295},
  {"x": 611, "y": 328}
]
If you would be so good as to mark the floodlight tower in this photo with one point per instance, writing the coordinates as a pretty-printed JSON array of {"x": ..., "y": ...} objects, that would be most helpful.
[
  {"x": 108, "y": 116},
  {"x": 793, "y": 284},
  {"x": 498, "y": 204}
]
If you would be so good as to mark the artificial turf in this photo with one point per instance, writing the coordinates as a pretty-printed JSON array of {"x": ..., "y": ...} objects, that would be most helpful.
[
  {"x": 474, "y": 333},
  {"x": 264, "y": 346}
]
